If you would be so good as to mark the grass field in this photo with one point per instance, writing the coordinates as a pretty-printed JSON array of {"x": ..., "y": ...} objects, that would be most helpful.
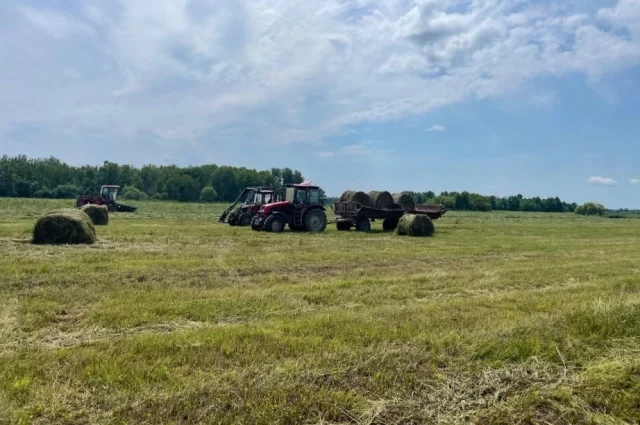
[{"x": 501, "y": 318}]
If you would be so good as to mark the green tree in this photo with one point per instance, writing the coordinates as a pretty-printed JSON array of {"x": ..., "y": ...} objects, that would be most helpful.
[
  {"x": 183, "y": 188},
  {"x": 66, "y": 191},
  {"x": 22, "y": 188},
  {"x": 591, "y": 208},
  {"x": 513, "y": 203},
  {"x": 131, "y": 192},
  {"x": 208, "y": 194},
  {"x": 6, "y": 184},
  {"x": 479, "y": 203}
]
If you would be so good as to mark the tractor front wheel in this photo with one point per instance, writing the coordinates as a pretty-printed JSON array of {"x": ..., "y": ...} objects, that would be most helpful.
[
  {"x": 274, "y": 223},
  {"x": 245, "y": 219},
  {"x": 315, "y": 221},
  {"x": 256, "y": 223}
]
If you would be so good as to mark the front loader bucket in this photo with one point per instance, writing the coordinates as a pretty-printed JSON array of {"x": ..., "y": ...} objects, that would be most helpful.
[{"x": 125, "y": 208}]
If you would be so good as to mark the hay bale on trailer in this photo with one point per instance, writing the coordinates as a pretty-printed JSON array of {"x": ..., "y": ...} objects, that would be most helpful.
[
  {"x": 415, "y": 225},
  {"x": 355, "y": 196},
  {"x": 99, "y": 214},
  {"x": 69, "y": 226},
  {"x": 404, "y": 199},
  {"x": 381, "y": 200}
]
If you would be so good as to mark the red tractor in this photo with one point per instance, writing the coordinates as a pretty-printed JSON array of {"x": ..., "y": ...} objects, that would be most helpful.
[
  {"x": 242, "y": 211},
  {"x": 301, "y": 209},
  {"x": 107, "y": 197}
]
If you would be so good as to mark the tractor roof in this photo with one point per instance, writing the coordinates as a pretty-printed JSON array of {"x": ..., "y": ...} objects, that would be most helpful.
[
  {"x": 111, "y": 185},
  {"x": 303, "y": 185}
]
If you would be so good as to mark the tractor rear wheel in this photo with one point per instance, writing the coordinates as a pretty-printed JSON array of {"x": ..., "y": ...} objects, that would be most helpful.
[
  {"x": 274, "y": 223},
  {"x": 390, "y": 224},
  {"x": 343, "y": 226},
  {"x": 315, "y": 221},
  {"x": 245, "y": 219},
  {"x": 363, "y": 225}
]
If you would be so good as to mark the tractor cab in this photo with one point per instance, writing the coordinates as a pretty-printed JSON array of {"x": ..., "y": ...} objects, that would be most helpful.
[
  {"x": 109, "y": 192},
  {"x": 302, "y": 194},
  {"x": 263, "y": 196}
]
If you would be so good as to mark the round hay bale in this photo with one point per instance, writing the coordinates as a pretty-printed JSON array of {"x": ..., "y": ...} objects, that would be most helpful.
[
  {"x": 64, "y": 227},
  {"x": 359, "y": 197},
  {"x": 381, "y": 200},
  {"x": 99, "y": 214},
  {"x": 415, "y": 225},
  {"x": 404, "y": 199}
]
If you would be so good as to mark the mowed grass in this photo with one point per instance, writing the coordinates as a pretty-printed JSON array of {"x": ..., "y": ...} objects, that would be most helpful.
[{"x": 501, "y": 318}]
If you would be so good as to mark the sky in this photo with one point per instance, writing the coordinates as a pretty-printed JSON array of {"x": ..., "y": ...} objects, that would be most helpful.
[{"x": 497, "y": 97}]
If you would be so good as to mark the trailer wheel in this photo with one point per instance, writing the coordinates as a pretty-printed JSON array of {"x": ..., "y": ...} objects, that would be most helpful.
[
  {"x": 315, "y": 221},
  {"x": 245, "y": 219},
  {"x": 343, "y": 226},
  {"x": 390, "y": 224},
  {"x": 274, "y": 223},
  {"x": 363, "y": 225}
]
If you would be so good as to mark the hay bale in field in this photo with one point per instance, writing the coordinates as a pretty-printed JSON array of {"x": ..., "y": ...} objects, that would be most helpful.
[
  {"x": 415, "y": 225},
  {"x": 99, "y": 214},
  {"x": 382, "y": 200},
  {"x": 68, "y": 226},
  {"x": 359, "y": 197},
  {"x": 404, "y": 199}
]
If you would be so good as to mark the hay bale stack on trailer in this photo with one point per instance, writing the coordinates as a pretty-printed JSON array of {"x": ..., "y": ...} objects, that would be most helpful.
[
  {"x": 405, "y": 199},
  {"x": 356, "y": 196},
  {"x": 381, "y": 200},
  {"x": 388, "y": 208}
]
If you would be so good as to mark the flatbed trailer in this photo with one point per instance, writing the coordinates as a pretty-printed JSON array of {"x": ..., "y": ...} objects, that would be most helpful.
[{"x": 353, "y": 214}]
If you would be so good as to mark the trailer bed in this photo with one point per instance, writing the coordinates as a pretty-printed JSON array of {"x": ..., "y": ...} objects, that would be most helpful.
[{"x": 354, "y": 210}]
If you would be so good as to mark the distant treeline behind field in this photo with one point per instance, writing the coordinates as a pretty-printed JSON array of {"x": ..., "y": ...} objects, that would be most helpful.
[{"x": 51, "y": 178}]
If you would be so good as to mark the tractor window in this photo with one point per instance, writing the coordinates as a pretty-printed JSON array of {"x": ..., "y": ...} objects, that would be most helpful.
[
  {"x": 301, "y": 195},
  {"x": 314, "y": 196},
  {"x": 289, "y": 195},
  {"x": 267, "y": 198}
]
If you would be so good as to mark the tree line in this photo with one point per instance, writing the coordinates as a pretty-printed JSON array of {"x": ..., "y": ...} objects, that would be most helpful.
[
  {"x": 51, "y": 178},
  {"x": 465, "y": 201}
]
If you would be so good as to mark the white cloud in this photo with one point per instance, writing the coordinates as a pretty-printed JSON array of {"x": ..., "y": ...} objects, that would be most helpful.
[
  {"x": 326, "y": 154},
  {"x": 366, "y": 149},
  {"x": 436, "y": 127},
  {"x": 604, "y": 181},
  {"x": 289, "y": 71},
  {"x": 54, "y": 23},
  {"x": 634, "y": 181}
]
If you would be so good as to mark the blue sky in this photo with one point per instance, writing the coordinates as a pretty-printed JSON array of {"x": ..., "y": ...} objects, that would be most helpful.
[{"x": 492, "y": 96}]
